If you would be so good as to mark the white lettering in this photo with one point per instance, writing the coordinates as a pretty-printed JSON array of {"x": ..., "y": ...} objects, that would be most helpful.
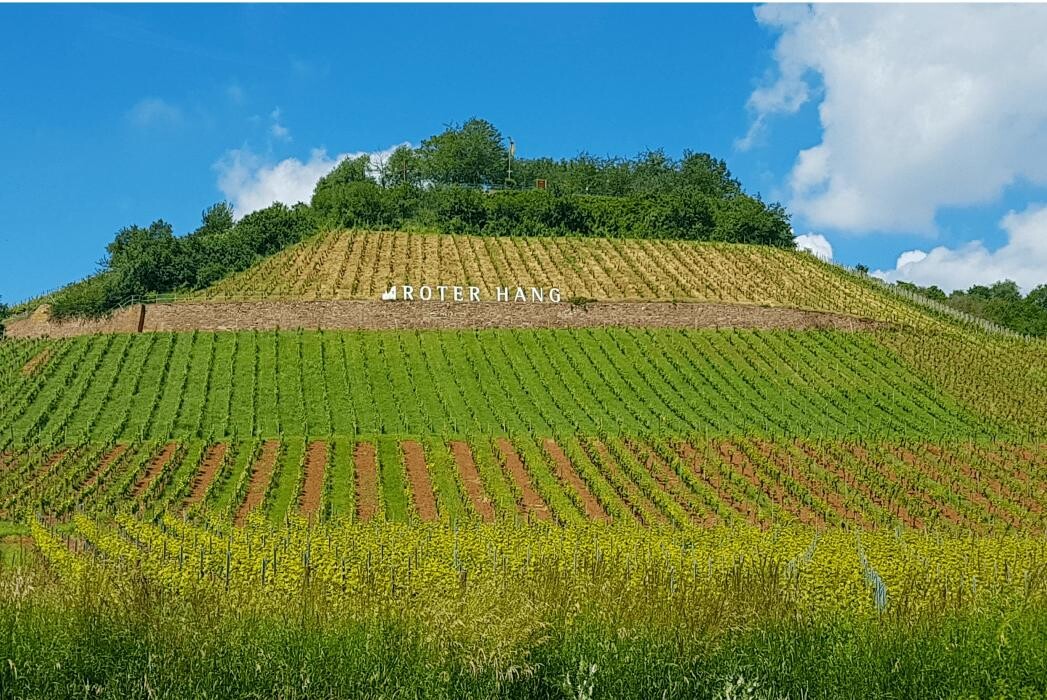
[
  {"x": 474, "y": 294},
  {"x": 537, "y": 294},
  {"x": 426, "y": 292},
  {"x": 520, "y": 296},
  {"x": 408, "y": 293},
  {"x": 458, "y": 293},
  {"x": 390, "y": 295},
  {"x": 441, "y": 288},
  {"x": 503, "y": 293},
  {"x": 554, "y": 295}
]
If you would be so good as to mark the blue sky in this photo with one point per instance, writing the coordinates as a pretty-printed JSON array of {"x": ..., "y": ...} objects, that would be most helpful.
[{"x": 113, "y": 115}]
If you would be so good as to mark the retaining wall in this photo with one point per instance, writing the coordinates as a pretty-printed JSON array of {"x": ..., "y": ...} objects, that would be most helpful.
[{"x": 388, "y": 315}]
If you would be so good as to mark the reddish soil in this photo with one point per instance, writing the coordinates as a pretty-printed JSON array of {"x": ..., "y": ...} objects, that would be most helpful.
[
  {"x": 212, "y": 462},
  {"x": 156, "y": 465},
  {"x": 983, "y": 478},
  {"x": 783, "y": 461},
  {"x": 474, "y": 487},
  {"x": 952, "y": 483},
  {"x": 110, "y": 457},
  {"x": 741, "y": 505},
  {"x": 670, "y": 482},
  {"x": 914, "y": 491},
  {"x": 313, "y": 489},
  {"x": 565, "y": 470},
  {"x": 734, "y": 456},
  {"x": 421, "y": 485},
  {"x": 533, "y": 505},
  {"x": 847, "y": 477},
  {"x": 261, "y": 473},
  {"x": 643, "y": 508},
  {"x": 366, "y": 463},
  {"x": 36, "y": 363}
]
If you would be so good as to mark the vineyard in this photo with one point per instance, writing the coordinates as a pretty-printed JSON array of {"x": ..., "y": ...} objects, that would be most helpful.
[
  {"x": 605, "y": 511},
  {"x": 218, "y": 385},
  {"x": 675, "y": 482},
  {"x": 362, "y": 265}
]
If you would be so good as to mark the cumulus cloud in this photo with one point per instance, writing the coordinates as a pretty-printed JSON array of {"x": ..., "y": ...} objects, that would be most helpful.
[
  {"x": 1022, "y": 259},
  {"x": 921, "y": 107},
  {"x": 154, "y": 111},
  {"x": 250, "y": 182},
  {"x": 816, "y": 244}
]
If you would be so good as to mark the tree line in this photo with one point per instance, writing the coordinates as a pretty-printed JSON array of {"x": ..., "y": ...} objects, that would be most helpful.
[
  {"x": 1002, "y": 303},
  {"x": 457, "y": 181}
]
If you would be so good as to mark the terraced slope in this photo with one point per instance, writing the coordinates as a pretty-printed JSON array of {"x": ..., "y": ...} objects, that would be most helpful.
[
  {"x": 362, "y": 265},
  {"x": 978, "y": 487},
  {"x": 542, "y": 383}
]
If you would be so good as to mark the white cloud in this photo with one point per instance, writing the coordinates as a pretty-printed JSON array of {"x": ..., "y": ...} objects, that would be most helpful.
[
  {"x": 1022, "y": 259},
  {"x": 817, "y": 244},
  {"x": 251, "y": 183},
  {"x": 278, "y": 130},
  {"x": 921, "y": 107},
  {"x": 153, "y": 111}
]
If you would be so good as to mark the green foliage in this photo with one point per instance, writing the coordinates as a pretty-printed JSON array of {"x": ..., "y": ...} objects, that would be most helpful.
[
  {"x": 152, "y": 260},
  {"x": 513, "y": 382},
  {"x": 1000, "y": 303}
]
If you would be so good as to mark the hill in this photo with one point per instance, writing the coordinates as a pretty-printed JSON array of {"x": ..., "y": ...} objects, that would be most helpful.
[{"x": 797, "y": 460}]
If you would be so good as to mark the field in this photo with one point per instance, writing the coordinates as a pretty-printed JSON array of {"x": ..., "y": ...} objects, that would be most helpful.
[
  {"x": 361, "y": 265},
  {"x": 604, "y": 512}
]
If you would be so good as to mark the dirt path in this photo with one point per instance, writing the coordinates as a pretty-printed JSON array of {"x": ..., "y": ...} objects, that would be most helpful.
[
  {"x": 36, "y": 362},
  {"x": 110, "y": 457},
  {"x": 212, "y": 461},
  {"x": 421, "y": 485},
  {"x": 261, "y": 473},
  {"x": 565, "y": 470},
  {"x": 156, "y": 465},
  {"x": 366, "y": 463},
  {"x": 533, "y": 505},
  {"x": 474, "y": 487},
  {"x": 313, "y": 489}
]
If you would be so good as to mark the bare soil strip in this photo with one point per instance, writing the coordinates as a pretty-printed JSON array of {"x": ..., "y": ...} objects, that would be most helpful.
[
  {"x": 261, "y": 473},
  {"x": 36, "y": 362},
  {"x": 421, "y": 486},
  {"x": 208, "y": 469},
  {"x": 671, "y": 483},
  {"x": 533, "y": 505},
  {"x": 643, "y": 508},
  {"x": 565, "y": 470},
  {"x": 110, "y": 457},
  {"x": 734, "y": 456},
  {"x": 474, "y": 487},
  {"x": 313, "y": 489},
  {"x": 847, "y": 476},
  {"x": 743, "y": 506},
  {"x": 783, "y": 461},
  {"x": 371, "y": 314},
  {"x": 156, "y": 465},
  {"x": 366, "y": 463},
  {"x": 955, "y": 485}
]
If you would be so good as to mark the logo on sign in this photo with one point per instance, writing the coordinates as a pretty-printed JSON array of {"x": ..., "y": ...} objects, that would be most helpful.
[{"x": 456, "y": 293}]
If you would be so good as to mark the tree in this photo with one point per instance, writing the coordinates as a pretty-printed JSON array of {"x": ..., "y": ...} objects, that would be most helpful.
[
  {"x": 473, "y": 154},
  {"x": 144, "y": 260},
  {"x": 402, "y": 168}
]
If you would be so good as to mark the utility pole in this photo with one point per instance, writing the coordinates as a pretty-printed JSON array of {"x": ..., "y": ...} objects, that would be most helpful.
[{"x": 512, "y": 149}]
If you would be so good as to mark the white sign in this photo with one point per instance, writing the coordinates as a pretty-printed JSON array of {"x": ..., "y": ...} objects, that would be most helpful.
[{"x": 445, "y": 292}]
